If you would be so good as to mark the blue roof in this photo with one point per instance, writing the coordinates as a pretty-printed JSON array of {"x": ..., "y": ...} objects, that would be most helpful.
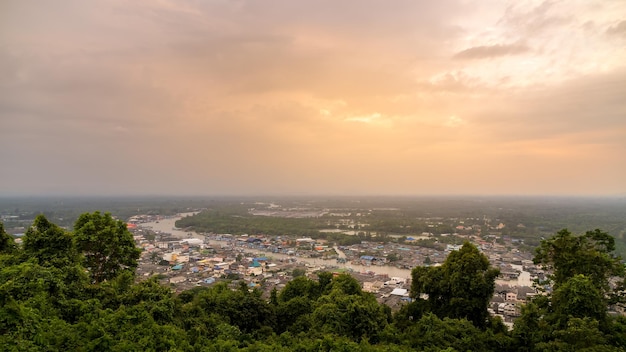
[
  {"x": 177, "y": 267},
  {"x": 367, "y": 257}
]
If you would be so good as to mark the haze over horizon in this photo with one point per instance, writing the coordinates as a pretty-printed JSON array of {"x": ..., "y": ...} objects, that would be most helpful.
[{"x": 358, "y": 97}]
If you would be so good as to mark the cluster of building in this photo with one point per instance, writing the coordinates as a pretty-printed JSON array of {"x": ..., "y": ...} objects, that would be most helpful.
[{"x": 268, "y": 262}]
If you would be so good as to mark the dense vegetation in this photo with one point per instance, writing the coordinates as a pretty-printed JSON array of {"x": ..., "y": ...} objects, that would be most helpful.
[
  {"x": 56, "y": 294},
  {"x": 236, "y": 220}
]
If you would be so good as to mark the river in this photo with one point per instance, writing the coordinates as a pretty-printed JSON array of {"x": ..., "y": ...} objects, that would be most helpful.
[{"x": 523, "y": 279}]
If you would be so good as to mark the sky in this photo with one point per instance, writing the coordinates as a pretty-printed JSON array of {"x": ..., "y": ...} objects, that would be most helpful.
[{"x": 324, "y": 97}]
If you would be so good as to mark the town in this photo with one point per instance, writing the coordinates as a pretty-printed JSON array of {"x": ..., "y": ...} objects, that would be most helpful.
[{"x": 184, "y": 259}]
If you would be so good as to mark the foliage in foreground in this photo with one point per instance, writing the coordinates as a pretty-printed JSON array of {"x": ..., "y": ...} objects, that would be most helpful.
[{"x": 56, "y": 293}]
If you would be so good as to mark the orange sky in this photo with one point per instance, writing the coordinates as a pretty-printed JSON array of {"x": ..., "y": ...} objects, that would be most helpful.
[{"x": 313, "y": 97}]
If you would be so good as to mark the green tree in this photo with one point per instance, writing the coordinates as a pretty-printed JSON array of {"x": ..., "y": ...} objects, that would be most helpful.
[
  {"x": 357, "y": 316},
  {"x": 431, "y": 333},
  {"x": 242, "y": 308},
  {"x": 346, "y": 284},
  {"x": 427, "y": 260},
  {"x": 392, "y": 257},
  {"x": 274, "y": 296},
  {"x": 579, "y": 298},
  {"x": 578, "y": 335},
  {"x": 586, "y": 277},
  {"x": 300, "y": 286},
  {"x": 324, "y": 279},
  {"x": 107, "y": 245},
  {"x": 566, "y": 255},
  {"x": 461, "y": 288},
  {"x": 7, "y": 244},
  {"x": 298, "y": 272},
  {"x": 293, "y": 314},
  {"x": 530, "y": 328},
  {"x": 49, "y": 243}
]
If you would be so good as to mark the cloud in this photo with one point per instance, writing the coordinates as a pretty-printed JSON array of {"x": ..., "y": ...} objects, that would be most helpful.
[
  {"x": 316, "y": 96},
  {"x": 454, "y": 121},
  {"x": 533, "y": 18},
  {"x": 618, "y": 29},
  {"x": 587, "y": 110},
  {"x": 491, "y": 51}
]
